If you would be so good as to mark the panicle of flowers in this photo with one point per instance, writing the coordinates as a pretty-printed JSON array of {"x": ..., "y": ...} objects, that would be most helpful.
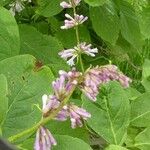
[
  {"x": 44, "y": 139},
  {"x": 71, "y": 54},
  {"x": 71, "y": 22},
  {"x": 69, "y": 4},
  {"x": 17, "y": 6},
  {"x": 62, "y": 87},
  {"x": 99, "y": 75}
]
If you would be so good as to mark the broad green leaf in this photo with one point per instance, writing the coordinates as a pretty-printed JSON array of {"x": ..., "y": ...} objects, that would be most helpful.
[
  {"x": 27, "y": 83},
  {"x": 140, "y": 111},
  {"x": 96, "y": 2},
  {"x": 44, "y": 48},
  {"x": 64, "y": 128},
  {"x": 105, "y": 22},
  {"x": 115, "y": 147},
  {"x": 48, "y": 8},
  {"x": 142, "y": 141},
  {"x": 9, "y": 35},
  {"x": 110, "y": 114},
  {"x": 131, "y": 134},
  {"x": 132, "y": 93},
  {"x": 65, "y": 142},
  {"x": 144, "y": 22},
  {"x": 64, "y": 36},
  {"x": 129, "y": 25},
  {"x": 3, "y": 97}
]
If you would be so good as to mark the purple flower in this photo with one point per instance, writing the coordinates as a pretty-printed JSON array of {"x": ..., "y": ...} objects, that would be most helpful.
[
  {"x": 72, "y": 22},
  {"x": 44, "y": 139},
  {"x": 71, "y": 54},
  {"x": 100, "y": 75},
  {"x": 63, "y": 114},
  {"x": 62, "y": 86},
  {"x": 84, "y": 48},
  {"x": 76, "y": 115},
  {"x": 49, "y": 102},
  {"x": 69, "y": 4}
]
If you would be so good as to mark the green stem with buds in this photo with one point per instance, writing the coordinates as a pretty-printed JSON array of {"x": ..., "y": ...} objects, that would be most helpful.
[
  {"x": 78, "y": 38},
  {"x": 43, "y": 121}
]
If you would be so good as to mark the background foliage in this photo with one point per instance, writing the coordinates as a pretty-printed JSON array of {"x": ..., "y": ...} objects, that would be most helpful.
[{"x": 29, "y": 61}]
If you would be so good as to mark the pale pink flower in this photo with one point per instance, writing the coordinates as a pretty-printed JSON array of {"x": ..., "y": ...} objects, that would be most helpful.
[
  {"x": 71, "y": 54},
  {"x": 71, "y": 22},
  {"x": 69, "y": 4}
]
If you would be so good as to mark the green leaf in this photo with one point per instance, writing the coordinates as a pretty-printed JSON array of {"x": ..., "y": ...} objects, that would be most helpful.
[
  {"x": 64, "y": 128},
  {"x": 110, "y": 114},
  {"x": 9, "y": 35},
  {"x": 146, "y": 75},
  {"x": 129, "y": 25},
  {"x": 27, "y": 83},
  {"x": 65, "y": 142},
  {"x": 132, "y": 93},
  {"x": 4, "y": 2},
  {"x": 44, "y": 48},
  {"x": 142, "y": 140},
  {"x": 140, "y": 111},
  {"x": 3, "y": 97},
  {"x": 105, "y": 22},
  {"x": 115, "y": 147},
  {"x": 146, "y": 69},
  {"x": 64, "y": 36},
  {"x": 131, "y": 134},
  {"x": 144, "y": 22},
  {"x": 96, "y": 2},
  {"x": 48, "y": 8}
]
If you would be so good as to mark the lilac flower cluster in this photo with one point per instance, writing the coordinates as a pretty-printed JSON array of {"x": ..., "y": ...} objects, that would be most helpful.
[
  {"x": 71, "y": 22},
  {"x": 17, "y": 6},
  {"x": 99, "y": 75},
  {"x": 62, "y": 88},
  {"x": 44, "y": 139},
  {"x": 71, "y": 54},
  {"x": 69, "y": 4}
]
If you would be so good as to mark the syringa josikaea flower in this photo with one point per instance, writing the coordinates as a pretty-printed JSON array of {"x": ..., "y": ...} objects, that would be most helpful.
[
  {"x": 71, "y": 22},
  {"x": 51, "y": 103},
  {"x": 62, "y": 88},
  {"x": 69, "y": 4},
  {"x": 77, "y": 115},
  {"x": 71, "y": 54},
  {"x": 17, "y": 6},
  {"x": 99, "y": 75},
  {"x": 44, "y": 139}
]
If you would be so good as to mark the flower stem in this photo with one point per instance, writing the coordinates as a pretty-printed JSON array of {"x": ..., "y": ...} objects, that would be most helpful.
[
  {"x": 42, "y": 121},
  {"x": 81, "y": 63},
  {"x": 77, "y": 37}
]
